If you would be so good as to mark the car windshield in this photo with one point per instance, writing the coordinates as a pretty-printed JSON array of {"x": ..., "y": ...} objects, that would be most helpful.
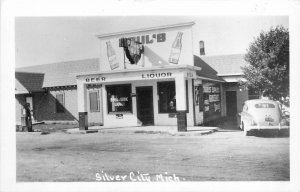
[{"x": 264, "y": 105}]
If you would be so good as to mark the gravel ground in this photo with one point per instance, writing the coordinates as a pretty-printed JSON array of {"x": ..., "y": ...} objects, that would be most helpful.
[{"x": 221, "y": 156}]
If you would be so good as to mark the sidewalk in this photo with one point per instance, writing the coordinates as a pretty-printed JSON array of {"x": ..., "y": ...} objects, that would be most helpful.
[{"x": 169, "y": 130}]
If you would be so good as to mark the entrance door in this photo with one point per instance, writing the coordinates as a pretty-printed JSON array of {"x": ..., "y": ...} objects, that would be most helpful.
[
  {"x": 231, "y": 103},
  {"x": 144, "y": 99}
]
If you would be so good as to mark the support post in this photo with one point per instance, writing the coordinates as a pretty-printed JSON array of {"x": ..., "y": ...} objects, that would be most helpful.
[
  {"x": 81, "y": 101},
  {"x": 181, "y": 107}
]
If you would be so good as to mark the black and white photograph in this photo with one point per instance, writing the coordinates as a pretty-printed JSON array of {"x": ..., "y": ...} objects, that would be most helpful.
[{"x": 190, "y": 101}]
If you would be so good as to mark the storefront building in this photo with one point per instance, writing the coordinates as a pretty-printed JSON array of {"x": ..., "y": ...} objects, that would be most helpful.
[{"x": 143, "y": 77}]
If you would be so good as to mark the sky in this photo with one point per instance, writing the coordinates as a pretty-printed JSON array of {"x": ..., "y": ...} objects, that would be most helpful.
[{"x": 44, "y": 40}]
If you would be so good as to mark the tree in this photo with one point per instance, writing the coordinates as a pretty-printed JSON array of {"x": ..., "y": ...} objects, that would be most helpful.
[{"x": 268, "y": 56}]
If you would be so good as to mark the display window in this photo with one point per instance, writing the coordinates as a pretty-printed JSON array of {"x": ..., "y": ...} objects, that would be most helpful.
[
  {"x": 211, "y": 98},
  {"x": 167, "y": 97},
  {"x": 119, "y": 98}
]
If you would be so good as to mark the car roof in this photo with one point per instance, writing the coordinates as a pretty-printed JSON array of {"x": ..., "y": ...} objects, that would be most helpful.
[{"x": 254, "y": 101}]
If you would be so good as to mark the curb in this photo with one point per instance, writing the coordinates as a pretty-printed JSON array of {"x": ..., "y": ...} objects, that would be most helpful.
[
  {"x": 200, "y": 133},
  {"x": 193, "y": 133},
  {"x": 80, "y": 131},
  {"x": 189, "y": 133}
]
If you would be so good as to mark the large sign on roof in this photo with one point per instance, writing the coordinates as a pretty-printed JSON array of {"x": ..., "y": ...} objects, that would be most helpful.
[{"x": 165, "y": 46}]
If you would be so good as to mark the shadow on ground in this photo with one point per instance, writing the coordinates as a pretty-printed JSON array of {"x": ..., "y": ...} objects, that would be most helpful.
[
  {"x": 271, "y": 133},
  {"x": 53, "y": 127},
  {"x": 229, "y": 124}
]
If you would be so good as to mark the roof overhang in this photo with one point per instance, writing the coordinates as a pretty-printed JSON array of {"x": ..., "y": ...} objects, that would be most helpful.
[
  {"x": 229, "y": 74},
  {"x": 210, "y": 79},
  {"x": 161, "y": 68},
  {"x": 233, "y": 79},
  {"x": 146, "y": 29},
  {"x": 150, "y": 73},
  {"x": 17, "y": 92},
  {"x": 19, "y": 88}
]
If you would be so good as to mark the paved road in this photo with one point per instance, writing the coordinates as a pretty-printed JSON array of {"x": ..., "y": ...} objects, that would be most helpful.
[{"x": 227, "y": 155}]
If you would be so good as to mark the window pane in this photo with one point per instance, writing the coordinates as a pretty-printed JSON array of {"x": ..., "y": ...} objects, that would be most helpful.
[
  {"x": 60, "y": 103},
  {"x": 212, "y": 99},
  {"x": 118, "y": 98},
  {"x": 94, "y": 104},
  {"x": 167, "y": 100}
]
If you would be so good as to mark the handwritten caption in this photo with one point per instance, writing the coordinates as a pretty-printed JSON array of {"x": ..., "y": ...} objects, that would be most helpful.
[{"x": 137, "y": 177}]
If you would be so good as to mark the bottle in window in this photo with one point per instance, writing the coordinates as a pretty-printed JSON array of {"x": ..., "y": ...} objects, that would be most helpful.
[
  {"x": 172, "y": 105},
  {"x": 176, "y": 49},
  {"x": 112, "y": 57}
]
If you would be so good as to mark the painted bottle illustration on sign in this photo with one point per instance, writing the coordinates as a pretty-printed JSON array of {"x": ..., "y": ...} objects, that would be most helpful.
[
  {"x": 176, "y": 49},
  {"x": 111, "y": 55}
]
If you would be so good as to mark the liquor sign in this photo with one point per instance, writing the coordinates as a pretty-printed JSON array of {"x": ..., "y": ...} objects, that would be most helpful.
[
  {"x": 156, "y": 75},
  {"x": 160, "y": 47}
]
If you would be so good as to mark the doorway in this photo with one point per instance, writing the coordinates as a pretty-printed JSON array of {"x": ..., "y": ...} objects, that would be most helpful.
[
  {"x": 231, "y": 103},
  {"x": 144, "y": 100}
]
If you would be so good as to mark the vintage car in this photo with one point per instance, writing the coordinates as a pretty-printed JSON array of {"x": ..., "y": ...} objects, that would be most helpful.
[{"x": 261, "y": 115}]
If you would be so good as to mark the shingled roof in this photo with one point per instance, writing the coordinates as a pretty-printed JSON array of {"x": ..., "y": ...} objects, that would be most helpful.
[
  {"x": 28, "y": 82},
  {"x": 63, "y": 73},
  {"x": 34, "y": 78},
  {"x": 226, "y": 64}
]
